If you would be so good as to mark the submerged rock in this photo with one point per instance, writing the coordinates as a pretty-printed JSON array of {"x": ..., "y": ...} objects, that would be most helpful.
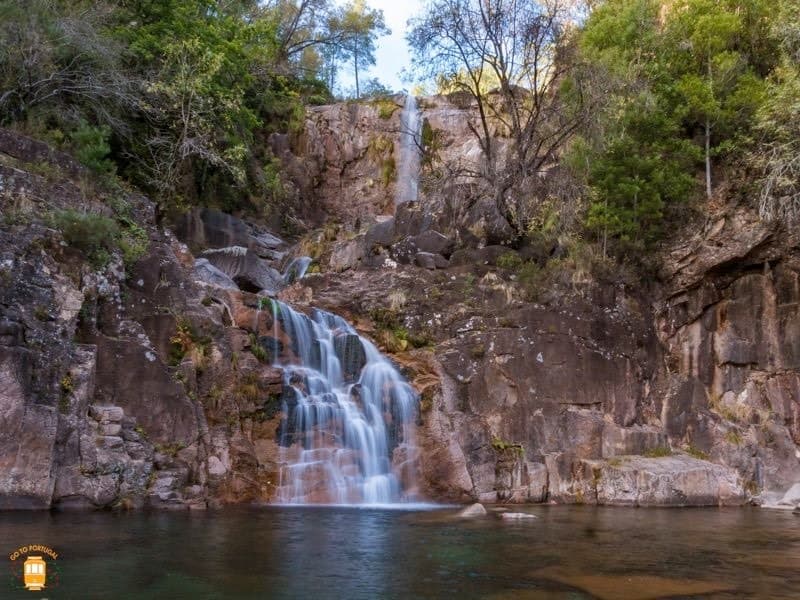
[
  {"x": 517, "y": 516},
  {"x": 474, "y": 510},
  {"x": 629, "y": 586}
]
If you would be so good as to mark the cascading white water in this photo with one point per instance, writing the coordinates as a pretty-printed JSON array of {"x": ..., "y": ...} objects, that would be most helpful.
[
  {"x": 408, "y": 169},
  {"x": 347, "y": 436},
  {"x": 296, "y": 269}
]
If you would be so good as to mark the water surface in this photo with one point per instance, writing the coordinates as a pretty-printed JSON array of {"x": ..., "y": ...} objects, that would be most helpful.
[{"x": 574, "y": 553}]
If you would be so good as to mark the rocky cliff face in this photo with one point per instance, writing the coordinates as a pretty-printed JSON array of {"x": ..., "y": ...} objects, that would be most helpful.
[
  {"x": 689, "y": 380},
  {"x": 684, "y": 394},
  {"x": 152, "y": 385},
  {"x": 730, "y": 326},
  {"x": 128, "y": 386}
]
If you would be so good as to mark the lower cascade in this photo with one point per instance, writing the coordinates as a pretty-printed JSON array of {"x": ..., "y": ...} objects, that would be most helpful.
[{"x": 348, "y": 431}]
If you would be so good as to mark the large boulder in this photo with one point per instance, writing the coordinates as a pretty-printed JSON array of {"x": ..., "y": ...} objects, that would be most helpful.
[
  {"x": 430, "y": 242},
  {"x": 667, "y": 481},
  {"x": 434, "y": 242},
  {"x": 346, "y": 254},
  {"x": 207, "y": 273},
  {"x": 380, "y": 234},
  {"x": 250, "y": 272},
  {"x": 430, "y": 261}
]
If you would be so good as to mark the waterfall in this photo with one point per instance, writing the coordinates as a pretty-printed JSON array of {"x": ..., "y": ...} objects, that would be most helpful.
[
  {"x": 347, "y": 435},
  {"x": 408, "y": 169},
  {"x": 296, "y": 269}
]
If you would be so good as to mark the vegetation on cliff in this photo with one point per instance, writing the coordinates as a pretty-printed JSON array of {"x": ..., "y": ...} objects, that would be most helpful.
[
  {"x": 178, "y": 96},
  {"x": 650, "y": 104}
]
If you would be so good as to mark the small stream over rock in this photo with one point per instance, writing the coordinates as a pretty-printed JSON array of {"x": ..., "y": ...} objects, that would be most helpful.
[{"x": 348, "y": 434}]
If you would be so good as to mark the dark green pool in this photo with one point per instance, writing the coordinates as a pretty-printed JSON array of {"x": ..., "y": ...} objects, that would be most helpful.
[{"x": 568, "y": 553}]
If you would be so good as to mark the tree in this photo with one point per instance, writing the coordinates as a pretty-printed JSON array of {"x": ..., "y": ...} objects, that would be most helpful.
[
  {"x": 354, "y": 29},
  {"x": 55, "y": 53},
  {"x": 716, "y": 79},
  {"x": 512, "y": 58},
  {"x": 685, "y": 80},
  {"x": 776, "y": 157},
  {"x": 178, "y": 96}
]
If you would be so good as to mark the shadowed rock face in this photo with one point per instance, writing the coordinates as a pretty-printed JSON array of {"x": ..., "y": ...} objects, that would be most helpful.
[{"x": 204, "y": 228}]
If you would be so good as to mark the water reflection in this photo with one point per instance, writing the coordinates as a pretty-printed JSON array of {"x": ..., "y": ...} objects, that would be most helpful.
[{"x": 568, "y": 553}]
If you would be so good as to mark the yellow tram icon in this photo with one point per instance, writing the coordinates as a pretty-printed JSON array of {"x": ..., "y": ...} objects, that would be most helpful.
[{"x": 35, "y": 570}]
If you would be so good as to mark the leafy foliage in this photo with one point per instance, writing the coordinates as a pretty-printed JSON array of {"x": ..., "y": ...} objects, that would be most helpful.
[
  {"x": 686, "y": 80},
  {"x": 178, "y": 96}
]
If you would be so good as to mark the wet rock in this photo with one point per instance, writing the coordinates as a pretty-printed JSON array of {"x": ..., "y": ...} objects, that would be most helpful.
[
  {"x": 351, "y": 354},
  {"x": 472, "y": 511}
]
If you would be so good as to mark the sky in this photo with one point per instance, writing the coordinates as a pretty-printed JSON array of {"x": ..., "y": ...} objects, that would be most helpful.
[{"x": 392, "y": 52}]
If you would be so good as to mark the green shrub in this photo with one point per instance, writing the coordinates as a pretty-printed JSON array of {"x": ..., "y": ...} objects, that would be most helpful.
[
  {"x": 90, "y": 146},
  {"x": 510, "y": 260},
  {"x": 385, "y": 108},
  {"x": 660, "y": 452},
  {"x": 93, "y": 234},
  {"x": 503, "y": 446},
  {"x": 257, "y": 349},
  {"x": 133, "y": 242},
  {"x": 696, "y": 453},
  {"x": 274, "y": 191},
  {"x": 388, "y": 171},
  {"x": 532, "y": 279}
]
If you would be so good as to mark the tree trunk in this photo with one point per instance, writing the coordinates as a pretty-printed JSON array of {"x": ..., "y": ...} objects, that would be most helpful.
[
  {"x": 355, "y": 68},
  {"x": 708, "y": 158},
  {"x": 708, "y": 132}
]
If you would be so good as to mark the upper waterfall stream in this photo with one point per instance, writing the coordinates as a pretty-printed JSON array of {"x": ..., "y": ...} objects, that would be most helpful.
[
  {"x": 408, "y": 169},
  {"x": 347, "y": 436}
]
